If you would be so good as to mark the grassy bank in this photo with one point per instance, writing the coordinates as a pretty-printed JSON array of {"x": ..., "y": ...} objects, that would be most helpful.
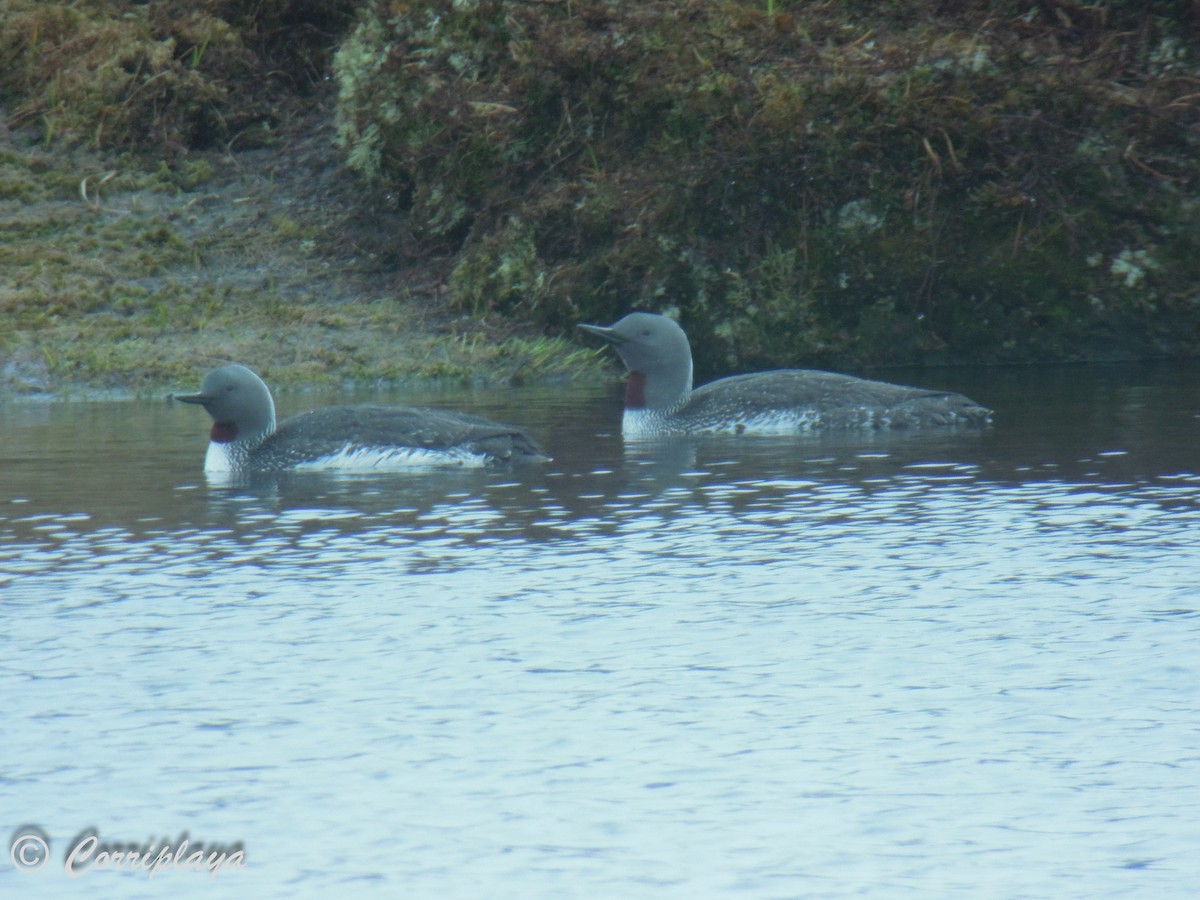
[
  {"x": 118, "y": 275},
  {"x": 170, "y": 198}
]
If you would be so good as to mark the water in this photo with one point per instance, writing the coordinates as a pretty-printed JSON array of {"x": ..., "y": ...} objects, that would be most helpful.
[{"x": 938, "y": 665}]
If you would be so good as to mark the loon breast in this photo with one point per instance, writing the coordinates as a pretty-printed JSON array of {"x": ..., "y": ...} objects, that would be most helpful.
[{"x": 218, "y": 460}]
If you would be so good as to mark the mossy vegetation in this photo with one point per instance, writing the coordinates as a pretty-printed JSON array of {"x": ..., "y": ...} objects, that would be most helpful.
[
  {"x": 170, "y": 198},
  {"x": 803, "y": 182},
  {"x": 817, "y": 183},
  {"x": 163, "y": 76}
]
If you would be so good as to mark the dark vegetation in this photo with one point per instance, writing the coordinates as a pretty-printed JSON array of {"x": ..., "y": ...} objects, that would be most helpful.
[
  {"x": 828, "y": 182},
  {"x": 837, "y": 182},
  {"x": 166, "y": 76}
]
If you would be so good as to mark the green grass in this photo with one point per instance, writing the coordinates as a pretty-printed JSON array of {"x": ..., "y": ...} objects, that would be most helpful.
[{"x": 151, "y": 285}]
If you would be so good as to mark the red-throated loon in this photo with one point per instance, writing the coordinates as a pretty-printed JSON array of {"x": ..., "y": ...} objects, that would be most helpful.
[
  {"x": 659, "y": 399},
  {"x": 245, "y": 438}
]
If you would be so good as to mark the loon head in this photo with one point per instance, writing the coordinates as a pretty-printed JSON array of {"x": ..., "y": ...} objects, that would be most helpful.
[
  {"x": 240, "y": 405},
  {"x": 658, "y": 356}
]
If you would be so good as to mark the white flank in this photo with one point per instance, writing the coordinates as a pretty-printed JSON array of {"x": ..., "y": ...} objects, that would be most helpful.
[
  {"x": 645, "y": 423},
  {"x": 387, "y": 459}
]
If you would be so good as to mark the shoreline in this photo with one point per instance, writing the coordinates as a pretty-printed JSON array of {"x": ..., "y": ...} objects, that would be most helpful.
[{"x": 129, "y": 274}]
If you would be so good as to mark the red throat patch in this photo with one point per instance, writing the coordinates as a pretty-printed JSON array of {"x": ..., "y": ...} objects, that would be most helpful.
[
  {"x": 223, "y": 432},
  {"x": 635, "y": 391}
]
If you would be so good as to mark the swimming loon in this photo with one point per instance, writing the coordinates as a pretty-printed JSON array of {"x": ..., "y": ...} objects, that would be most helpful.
[
  {"x": 659, "y": 399},
  {"x": 245, "y": 439}
]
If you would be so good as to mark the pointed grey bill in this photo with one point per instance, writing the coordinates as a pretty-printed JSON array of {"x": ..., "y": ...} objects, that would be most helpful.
[{"x": 602, "y": 331}]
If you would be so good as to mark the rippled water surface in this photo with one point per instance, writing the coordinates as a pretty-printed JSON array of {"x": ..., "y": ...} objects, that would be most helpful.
[{"x": 945, "y": 665}]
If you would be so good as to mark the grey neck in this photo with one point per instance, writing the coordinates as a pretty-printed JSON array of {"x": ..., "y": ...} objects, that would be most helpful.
[{"x": 668, "y": 387}]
